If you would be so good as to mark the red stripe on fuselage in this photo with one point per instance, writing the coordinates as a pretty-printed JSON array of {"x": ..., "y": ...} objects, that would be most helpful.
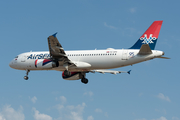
[{"x": 36, "y": 63}]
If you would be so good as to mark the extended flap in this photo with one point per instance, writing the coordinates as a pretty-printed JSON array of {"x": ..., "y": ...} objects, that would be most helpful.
[{"x": 79, "y": 64}]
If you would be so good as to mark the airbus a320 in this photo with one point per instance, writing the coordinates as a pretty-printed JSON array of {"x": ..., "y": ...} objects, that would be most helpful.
[{"x": 75, "y": 64}]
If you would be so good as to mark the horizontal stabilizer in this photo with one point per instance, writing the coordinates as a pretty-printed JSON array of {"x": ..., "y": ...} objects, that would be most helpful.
[
  {"x": 129, "y": 71},
  {"x": 145, "y": 50},
  {"x": 163, "y": 57}
]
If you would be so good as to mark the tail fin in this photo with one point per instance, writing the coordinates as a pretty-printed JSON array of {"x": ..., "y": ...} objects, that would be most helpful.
[{"x": 150, "y": 36}]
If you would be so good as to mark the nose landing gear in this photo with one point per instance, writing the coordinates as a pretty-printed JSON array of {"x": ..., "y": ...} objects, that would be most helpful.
[{"x": 26, "y": 77}]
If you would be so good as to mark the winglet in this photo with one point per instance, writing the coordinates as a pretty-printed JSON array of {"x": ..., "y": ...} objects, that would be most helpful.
[
  {"x": 129, "y": 71},
  {"x": 54, "y": 34}
]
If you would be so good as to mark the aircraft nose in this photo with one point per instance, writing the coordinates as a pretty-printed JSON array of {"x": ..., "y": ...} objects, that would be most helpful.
[{"x": 12, "y": 64}]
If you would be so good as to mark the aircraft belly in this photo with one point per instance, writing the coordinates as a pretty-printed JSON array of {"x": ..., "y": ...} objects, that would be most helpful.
[{"x": 137, "y": 59}]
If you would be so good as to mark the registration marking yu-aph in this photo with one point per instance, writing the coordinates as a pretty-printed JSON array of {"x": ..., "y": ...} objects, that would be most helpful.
[{"x": 148, "y": 40}]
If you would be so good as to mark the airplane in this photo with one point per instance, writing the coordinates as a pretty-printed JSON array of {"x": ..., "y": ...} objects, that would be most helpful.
[{"x": 75, "y": 64}]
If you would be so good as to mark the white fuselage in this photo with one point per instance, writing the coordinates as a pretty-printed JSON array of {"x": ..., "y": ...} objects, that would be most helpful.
[{"x": 86, "y": 59}]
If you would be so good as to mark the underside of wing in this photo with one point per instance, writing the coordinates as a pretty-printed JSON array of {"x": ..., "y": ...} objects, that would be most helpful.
[
  {"x": 56, "y": 51},
  {"x": 55, "y": 48}
]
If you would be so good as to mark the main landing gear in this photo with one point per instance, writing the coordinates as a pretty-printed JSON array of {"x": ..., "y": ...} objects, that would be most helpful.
[
  {"x": 67, "y": 73},
  {"x": 27, "y": 72},
  {"x": 84, "y": 80}
]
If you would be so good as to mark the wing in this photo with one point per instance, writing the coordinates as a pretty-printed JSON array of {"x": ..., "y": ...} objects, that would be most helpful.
[
  {"x": 56, "y": 51},
  {"x": 110, "y": 71}
]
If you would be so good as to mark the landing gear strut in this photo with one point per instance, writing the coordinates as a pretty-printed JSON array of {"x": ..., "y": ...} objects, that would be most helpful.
[{"x": 27, "y": 72}]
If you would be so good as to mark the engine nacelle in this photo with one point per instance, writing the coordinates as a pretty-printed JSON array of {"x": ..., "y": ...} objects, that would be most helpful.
[
  {"x": 73, "y": 76},
  {"x": 45, "y": 64}
]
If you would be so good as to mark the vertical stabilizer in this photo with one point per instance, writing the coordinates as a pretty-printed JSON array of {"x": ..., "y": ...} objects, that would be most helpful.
[{"x": 150, "y": 36}]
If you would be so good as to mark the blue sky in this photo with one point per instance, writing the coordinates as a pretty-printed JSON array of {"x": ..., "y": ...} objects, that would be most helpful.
[{"x": 151, "y": 92}]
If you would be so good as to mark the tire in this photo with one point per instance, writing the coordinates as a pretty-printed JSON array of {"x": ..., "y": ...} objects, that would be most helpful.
[
  {"x": 67, "y": 73},
  {"x": 26, "y": 77},
  {"x": 84, "y": 80}
]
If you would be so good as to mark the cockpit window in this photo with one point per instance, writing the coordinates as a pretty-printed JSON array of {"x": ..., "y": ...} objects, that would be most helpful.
[{"x": 16, "y": 57}]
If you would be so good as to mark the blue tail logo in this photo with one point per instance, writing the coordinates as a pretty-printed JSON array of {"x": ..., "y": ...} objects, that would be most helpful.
[{"x": 148, "y": 40}]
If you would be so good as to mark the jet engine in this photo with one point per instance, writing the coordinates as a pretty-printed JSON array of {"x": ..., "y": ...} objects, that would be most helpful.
[
  {"x": 73, "y": 76},
  {"x": 45, "y": 64}
]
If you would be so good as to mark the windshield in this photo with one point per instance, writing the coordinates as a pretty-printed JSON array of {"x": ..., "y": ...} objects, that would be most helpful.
[{"x": 16, "y": 57}]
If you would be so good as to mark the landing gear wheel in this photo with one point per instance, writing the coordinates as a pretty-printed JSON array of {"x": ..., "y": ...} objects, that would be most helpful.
[
  {"x": 26, "y": 77},
  {"x": 84, "y": 80},
  {"x": 67, "y": 73},
  {"x": 27, "y": 72}
]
